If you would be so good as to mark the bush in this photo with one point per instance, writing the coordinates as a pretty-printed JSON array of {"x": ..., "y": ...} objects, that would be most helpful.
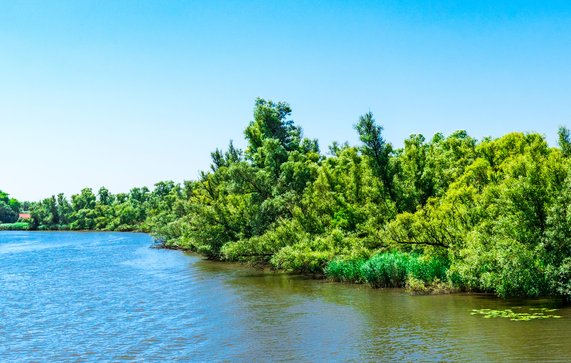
[
  {"x": 300, "y": 258},
  {"x": 563, "y": 279}
]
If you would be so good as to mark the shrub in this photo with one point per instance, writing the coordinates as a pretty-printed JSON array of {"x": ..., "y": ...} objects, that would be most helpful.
[
  {"x": 563, "y": 279},
  {"x": 300, "y": 258}
]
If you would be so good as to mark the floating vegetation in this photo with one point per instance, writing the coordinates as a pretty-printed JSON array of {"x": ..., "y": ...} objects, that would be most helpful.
[{"x": 533, "y": 314}]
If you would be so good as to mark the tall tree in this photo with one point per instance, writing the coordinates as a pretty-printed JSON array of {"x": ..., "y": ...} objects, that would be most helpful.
[
  {"x": 377, "y": 149},
  {"x": 271, "y": 123},
  {"x": 564, "y": 140}
]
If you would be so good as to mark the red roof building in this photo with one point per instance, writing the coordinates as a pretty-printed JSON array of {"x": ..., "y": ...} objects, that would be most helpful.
[{"x": 25, "y": 215}]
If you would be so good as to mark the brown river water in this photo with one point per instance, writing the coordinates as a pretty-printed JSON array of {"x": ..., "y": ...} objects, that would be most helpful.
[{"x": 100, "y": 297}]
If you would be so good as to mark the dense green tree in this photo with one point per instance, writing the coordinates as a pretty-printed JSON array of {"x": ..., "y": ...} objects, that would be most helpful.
[
  {"x": 9, "y": 208},
  {"x": 564, "y": 140},
  {"x": 7, "y": 214},
  {"x": 413, "y": 182},
  {"x": 377, "y": 149},
  {"x": 491, "y": 215}
]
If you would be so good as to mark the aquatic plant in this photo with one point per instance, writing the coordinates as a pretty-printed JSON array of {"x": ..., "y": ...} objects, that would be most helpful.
[
  {"x": 345, "y": 270},
  {"x": 532, "y": 314},
  {"x": 389, "y": 269}
]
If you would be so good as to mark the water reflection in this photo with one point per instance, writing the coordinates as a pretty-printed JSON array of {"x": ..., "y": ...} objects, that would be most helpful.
[
  {"x": 108, "y": 297},
  {"x": 390, "y": 324}
]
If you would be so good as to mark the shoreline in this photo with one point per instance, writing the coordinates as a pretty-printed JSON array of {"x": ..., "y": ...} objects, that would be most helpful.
[
  {"x": 423, "y": 291},
  {"x": 427, "y": 291}
]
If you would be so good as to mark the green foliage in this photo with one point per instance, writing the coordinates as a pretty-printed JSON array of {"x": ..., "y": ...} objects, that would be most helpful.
[
  {"x": 9, "y": 208},
  {"x": 389, "y": 269},
  {"x": 393, "y": 269},
  {"x": 492, "y": 215},
  {"x": 345, "y": 270},
  {"x": 135, "y": 211},
  {"x": 561, "y": 279},
  {"x": 18, "y": 226},
  {"x": 386, "y": 270},
  {"x": 377, "y": 149},
  {"x": 565, "y": 140},
  {"x": 518, "y": 315},
  {"x": 7, "y": 214},
  {"x": 301, "y": 258}
]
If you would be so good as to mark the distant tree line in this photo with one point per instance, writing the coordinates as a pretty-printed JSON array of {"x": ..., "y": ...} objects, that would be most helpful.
[
  {"x": 138, "y": 210},
  {"x": 492, "y": 215}
]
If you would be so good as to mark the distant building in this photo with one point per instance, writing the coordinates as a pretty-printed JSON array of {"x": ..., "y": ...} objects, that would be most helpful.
[{"x": 24, "y": 216}]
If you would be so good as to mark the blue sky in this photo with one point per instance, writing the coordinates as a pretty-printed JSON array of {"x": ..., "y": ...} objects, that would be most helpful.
[{"x": 128, "y": 93}]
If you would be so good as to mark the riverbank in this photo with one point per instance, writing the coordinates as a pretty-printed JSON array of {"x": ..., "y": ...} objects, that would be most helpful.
[
  {"x": 392, "y": 270},
  {"x": 413, "y": 273}
]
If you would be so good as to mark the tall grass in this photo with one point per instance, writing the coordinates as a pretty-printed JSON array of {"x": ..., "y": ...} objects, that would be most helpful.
[
  {"x": 387, "y": 269},
  {"x": 345, "y": 270},
  {"x": 391, "y": 269}
]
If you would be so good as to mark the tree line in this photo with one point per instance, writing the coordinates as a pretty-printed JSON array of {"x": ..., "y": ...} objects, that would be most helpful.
[{"x": 489, "y": 215}]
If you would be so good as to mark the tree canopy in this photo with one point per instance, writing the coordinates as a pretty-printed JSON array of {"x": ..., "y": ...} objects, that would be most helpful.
[
  {"x": 9, "y": 208},
  {"x": 488, "y": 215}
]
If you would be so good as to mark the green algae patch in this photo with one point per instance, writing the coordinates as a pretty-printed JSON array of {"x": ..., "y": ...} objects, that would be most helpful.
[{"x": 517, "y": 314}]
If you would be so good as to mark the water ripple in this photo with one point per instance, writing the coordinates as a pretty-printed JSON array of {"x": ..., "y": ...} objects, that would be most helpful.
[{"x": 108, "y": 297}]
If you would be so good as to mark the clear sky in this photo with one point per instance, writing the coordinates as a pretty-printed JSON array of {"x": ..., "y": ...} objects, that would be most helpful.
[{"x": 128, "y": 93}]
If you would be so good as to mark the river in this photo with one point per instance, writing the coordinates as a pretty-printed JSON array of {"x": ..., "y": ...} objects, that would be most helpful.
[{"x": 68, "y": 296}]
